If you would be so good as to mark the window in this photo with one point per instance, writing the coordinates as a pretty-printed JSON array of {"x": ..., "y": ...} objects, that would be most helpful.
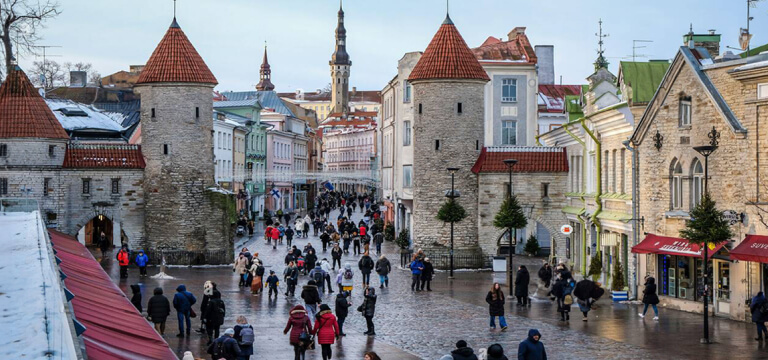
[
  {"x": 697, "y": 183},
  {"x": 406, "y": 91},
  {"x": 3, "y": 186},
  {"x": 3, "y": 150},
  {"x": 51, "y": 150},
  {"x": 407, "y": 176},
  {"x": 685, "y": 111},
  {"x": 678, "y": 276},
  {"x": 437, "y": 145},
  {"x": 509, "y": 132},
  {"x": 165, "y": 149},
  {"x": 197, "y": 112},
  {"x": 153, "y": 113},
  {"x": 419, "y": 108},
  {"x": 676, "y": 192},
  {"x": 623, "y": 172},
  {"x": 477, "y": 144},
  {"x": 46, "y": 186},
  {"x": 115, "y": 186},
  {"x": 605, "y": 180},
  {"x": 545, "y": 190},
  {"x": 613, "y": 172},
  {"x": 458, "y": 108},
  {"x": 406, "y": 133},
  {"x": 86, "y": 186},
  {"x": 762, "y": 91},
  {"x": 509, "y": 90}
]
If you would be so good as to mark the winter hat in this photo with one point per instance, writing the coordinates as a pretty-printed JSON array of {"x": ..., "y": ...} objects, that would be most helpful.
[
  {"x": 188, "y": 356},
  {"x": 461, "y": 344},
  {"x": 325, "y": 307},
  {"x": 229, "y": 331},
  {"x": 495, "y": 352}
]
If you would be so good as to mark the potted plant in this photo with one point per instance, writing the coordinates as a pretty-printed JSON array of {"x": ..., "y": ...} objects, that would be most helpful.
[
  {"x": 403, "y": 240},
  {"x": 532, "y": 246},
  {"x": 619, "y": 289},
  {"x": 596, "y": 266},
  {"x": 389, "y": 232}
]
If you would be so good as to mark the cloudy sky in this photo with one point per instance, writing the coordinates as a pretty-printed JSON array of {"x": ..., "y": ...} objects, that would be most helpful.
[{"x": 230, "y": 34}]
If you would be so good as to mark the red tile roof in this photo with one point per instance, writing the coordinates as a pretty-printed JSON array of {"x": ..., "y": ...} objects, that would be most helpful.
[
  {"x": 122, "y": 156},
  {"x": 448, "y": 57},
  {"x": 23, "y": 112},
  {"x": 529, "y": 159},
  {"x": 176, "y": 60},
  {"x": 517, "y": 49}
]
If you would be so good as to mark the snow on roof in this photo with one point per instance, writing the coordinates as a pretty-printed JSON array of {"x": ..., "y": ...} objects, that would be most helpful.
[
  {"x": 76, "y": 116},
  {"x": 753, "y": 65},
  {"x": 33, "y": 294}
]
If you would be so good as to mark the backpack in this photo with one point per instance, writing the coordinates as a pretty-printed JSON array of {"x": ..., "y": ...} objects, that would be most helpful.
[
  {"x": 218, "y": 348},
  {"x": 568, "y": 300},
  {"x": 247, "y": 336},
  {"x": 318, "y": 276},
  {"x": 764, "y": 308},
  {"x": 260, "y": 271},
  {"x": 301, "y": 262},
  {"x": 348, "y": 274}
]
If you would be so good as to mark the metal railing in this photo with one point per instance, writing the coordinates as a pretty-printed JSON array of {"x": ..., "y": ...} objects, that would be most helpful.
[{"x": 191, "y": 257}]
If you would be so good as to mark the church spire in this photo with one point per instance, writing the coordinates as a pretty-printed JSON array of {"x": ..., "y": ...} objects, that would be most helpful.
[
  {"x": 265, "y": 74},
  {"x": 340, "y": 56}
]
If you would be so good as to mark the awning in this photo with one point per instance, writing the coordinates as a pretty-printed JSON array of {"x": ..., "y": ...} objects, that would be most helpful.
[
  {"x": 655, "y": 244},
  {"x": 614, "y": 215},
  {"x": 114, "y": 329},
  {"x": 753, "y": 248},
  {"x": 573, "y": 210}
]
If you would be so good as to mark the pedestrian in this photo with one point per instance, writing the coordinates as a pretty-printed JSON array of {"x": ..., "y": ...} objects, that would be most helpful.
[
  {"x": 378, "y": 239},
  {"x": 463, "y": 352},
  {"x": 383, "y": 268},
  {"x": 225, "y": 347},
  {"x": 318, "y": 275},
  {"x": 427, "y": 274},
  {"x": 158, "y": 309},
  {"x": 291, "y": 277},
  {"x": 310, "y": 260},
  {"x": 275, "y": 236},
  {"x": 289, "y": 258},
  {"x": 209, "y": 288},
  {"x": 311, "y": 297},
  {"x": 300, "y": 328},
  {"x": 562, "y": 289},
  {"x": 245, "y": 337},
  {"x": 103, "y": 245},
  {"x": 545, "y": 275},
  {"x": 251, "y": 227},
  {"x": 759, "y": 308},
  {"x": 123, "y": 260},
  {"x": 182, "y": 302},
  {"x": 336, "y": 253},
  {"x": 368, "y": 310},
  {"x": 371, "y": 356},
  {"x": 532, "y": 348},
  {"x": 495, "y": 300},
  {"x": 281, "y": 228},
  {"x": 347, "y": 278},
  {"x": 241, "y": 268},
  {"x": 136, "y": 297},
  {"x": 521, "y": 286},
  {"x": 305, "y": 230},
  {"x": 141, "y": 262},
  {"x": 346, "y": 239},
  {"x": 268, "y": 232},
  {"x": 214, "y": 316},
  {"x": 356, "y": 242},
  {"x": 495, "y": 352},
  {"x": 289, "y": 235},
  {"x": 416, "y": 267},
  {"x": 326, "y": 330},
  {"x": 349, "y": 212},
  {"x": 299, "y": 226},
  {"x": 586, "y": 292},
  {"x": 650, "y": 297},
  {"x": 326, "y": 266},
  {"x": 366, "y": 265},
  {"x": 342, "y": 310},
  {"x": 272, "y": 282},
  {"x": 257, "y": 272},
  {"x": 325, "y": 239}
]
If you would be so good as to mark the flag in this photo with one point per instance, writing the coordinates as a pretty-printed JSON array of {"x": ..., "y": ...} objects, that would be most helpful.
[
  {"x": 328, "y": 186},
  {"x": 275, "y": 193}
]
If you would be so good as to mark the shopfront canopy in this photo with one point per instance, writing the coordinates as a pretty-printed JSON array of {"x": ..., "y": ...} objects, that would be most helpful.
[
  {"x": 113, "y": 327},
  {"x": 753, "y": 248},
  {"x": 655, "y": 244}
]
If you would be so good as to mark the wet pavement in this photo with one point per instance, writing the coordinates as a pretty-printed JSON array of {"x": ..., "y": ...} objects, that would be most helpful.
[{"x": 416, "y": 325}]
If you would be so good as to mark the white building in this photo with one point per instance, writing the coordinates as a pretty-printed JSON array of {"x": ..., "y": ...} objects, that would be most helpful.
[{"x": 223, "y": 145}]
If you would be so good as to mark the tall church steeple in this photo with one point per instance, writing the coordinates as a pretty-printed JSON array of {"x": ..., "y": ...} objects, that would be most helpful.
[
  {"x": 340, "y": 66},
  {"x": 265, "y": 75}
]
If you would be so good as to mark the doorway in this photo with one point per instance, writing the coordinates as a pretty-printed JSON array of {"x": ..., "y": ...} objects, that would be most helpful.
[
  {"x": 95, "y": 227},
  {"x": 723, "y": 287}
]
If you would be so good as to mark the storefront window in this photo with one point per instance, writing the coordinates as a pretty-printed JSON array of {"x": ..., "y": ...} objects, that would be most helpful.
[{"x": 676, "y": 279}]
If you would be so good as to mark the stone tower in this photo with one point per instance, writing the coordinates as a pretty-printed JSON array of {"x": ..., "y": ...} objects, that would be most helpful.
[
  {"x": 448, "y": 84},
  {"x": 340, "y": 66},
  {"x": 184, "y": 218},
  {"x": 265, "y": 75}
]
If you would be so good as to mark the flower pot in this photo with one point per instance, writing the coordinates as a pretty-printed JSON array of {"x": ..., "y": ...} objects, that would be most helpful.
[{"x": 619, "y": 295}]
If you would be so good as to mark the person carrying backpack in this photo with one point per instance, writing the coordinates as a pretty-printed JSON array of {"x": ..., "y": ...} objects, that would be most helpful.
[
  {"x": 245, "y": 337},
  {"x": 257, "y": 271},
  {"x": 225, "y": 347},
  {"x": 366, "y": 265},
  {"x": 318, "y": 275},
  {"x": 311, "y": 297},
  {"x": 759, "y": 308},
  {"x": 214, "y": 316},
  {"x": 347, "y": 277},
  {"x": 562, "y": 289}
]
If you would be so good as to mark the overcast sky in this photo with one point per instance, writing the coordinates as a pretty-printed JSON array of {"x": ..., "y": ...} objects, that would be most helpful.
[{"x": 230, "y": 34}]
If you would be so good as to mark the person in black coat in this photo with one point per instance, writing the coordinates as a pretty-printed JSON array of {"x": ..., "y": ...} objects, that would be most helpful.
[
  {"x": 758, "y": 304},
  {"x": 532, "y": 348},
  {"x": 426, "y": 274},
  {"x": 463, "y": 352},
  {"x": 158, "y": 309},
  {"x": 136, "y": 298},
  {"x": 650, "y": 297},
  {"x": 342, "y": 310},
  {"x": 521, "y": 286},
  {"x": 368, "y": 308},
  {"x": 495, "y": 300},
  {"x": 545, "y": 274},
  {"x": 560, "y": 289},
  {"x": 214, "y": 316}
]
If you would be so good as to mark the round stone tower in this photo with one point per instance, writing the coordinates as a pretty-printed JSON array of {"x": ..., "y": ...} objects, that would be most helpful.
[
  {"x": 448, "y": 84},
  {"x": 185, "y": 220}
]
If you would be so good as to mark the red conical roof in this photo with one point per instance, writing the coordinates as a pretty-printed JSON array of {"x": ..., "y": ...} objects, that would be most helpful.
[
  {"x": 448, "y": 57},
  {"x": 23, "y": 112},
  {"x": 176, "y": 60}
]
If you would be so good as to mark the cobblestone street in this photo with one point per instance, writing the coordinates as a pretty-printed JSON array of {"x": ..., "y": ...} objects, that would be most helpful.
[{"x": 412, "y": 325}]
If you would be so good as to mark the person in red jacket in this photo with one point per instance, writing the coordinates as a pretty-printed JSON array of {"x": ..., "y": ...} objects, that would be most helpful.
[
  {"x": 298, "y": 323},
  {"x": 268, "y": 234},
  {"x": 123, "y": 259},
  {"x": 275, "y": 236},
  {"x": 326, "y": 329}
]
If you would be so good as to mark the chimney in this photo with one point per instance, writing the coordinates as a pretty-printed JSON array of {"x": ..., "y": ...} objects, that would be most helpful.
[
  {"x": 78, "y": 78},
  {"x": 709, "y": 41},
  {"x": 512, "y": 35},
  {"x": 546, "y": 63}
]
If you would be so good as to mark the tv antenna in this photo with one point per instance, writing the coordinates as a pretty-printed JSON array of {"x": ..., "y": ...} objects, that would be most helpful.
[
  {"x": 45, "y": 55},
  {"x": 635, "y": 47}
]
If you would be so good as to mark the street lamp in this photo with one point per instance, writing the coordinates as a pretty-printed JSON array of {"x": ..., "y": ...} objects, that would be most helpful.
[
  {"x": 512, "y": 236},
  {"x": 452, "y": 195},
  {"x": 706, "y": 150}
]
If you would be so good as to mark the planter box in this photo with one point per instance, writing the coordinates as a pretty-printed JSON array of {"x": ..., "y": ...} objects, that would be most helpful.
[{"x": 620, "y": 296}]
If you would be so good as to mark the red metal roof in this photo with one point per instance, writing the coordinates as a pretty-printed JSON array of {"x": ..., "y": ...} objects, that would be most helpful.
[
  {"x": 23, "y": 112},
  {"x": 114, "y": 329},
  {"x": 176, "y": 60},
  {"x": 529, "y": 159},
  {"x": 448, "y": 57},
  {"x": 655, "y": 244},
  {"x": 122, "y": 156}
]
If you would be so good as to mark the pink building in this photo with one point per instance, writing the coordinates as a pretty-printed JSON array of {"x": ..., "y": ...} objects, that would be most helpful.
[{"x": 350, "y": 150}]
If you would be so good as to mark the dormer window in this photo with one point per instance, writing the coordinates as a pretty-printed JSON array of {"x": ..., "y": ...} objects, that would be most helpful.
[{"x": 685, "y": 111}]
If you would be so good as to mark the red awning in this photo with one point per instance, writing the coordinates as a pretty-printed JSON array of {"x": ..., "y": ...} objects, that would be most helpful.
[
  {"x": 753, "y": 248},
  {"x": 114, "y": 329},
  {"x": 655, "y": 244}
]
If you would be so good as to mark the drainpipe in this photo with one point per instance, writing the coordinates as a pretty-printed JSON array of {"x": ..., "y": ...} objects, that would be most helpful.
[
  {"x": 633, "y": 278},
  {"x": 537, "y": 141},
  {"x": 584, "y": 201},
  {"x": 599, "y": 178}
]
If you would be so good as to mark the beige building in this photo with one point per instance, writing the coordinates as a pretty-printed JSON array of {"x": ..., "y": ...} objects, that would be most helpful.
[{"x": 320, "y": 101}]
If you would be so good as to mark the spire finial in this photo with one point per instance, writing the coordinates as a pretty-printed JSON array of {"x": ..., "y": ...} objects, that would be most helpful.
[
  {"x": 174, "y": 24},
  {"x": 447, "y": 20},
  {"x": 174, "y": 9},
  {"x": 340, "y": 7},
  {"x": 601, "y": 62}
]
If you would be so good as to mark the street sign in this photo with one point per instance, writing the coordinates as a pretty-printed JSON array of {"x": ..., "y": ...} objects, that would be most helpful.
[
  {"x": 566, "y": 229},
  {"x": 732, "y": 217}
]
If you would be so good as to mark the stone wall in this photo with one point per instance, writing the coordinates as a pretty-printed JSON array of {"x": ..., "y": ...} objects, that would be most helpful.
[
  {"x": 33, "y": 152},
  {"x": 460, "y": 137}
]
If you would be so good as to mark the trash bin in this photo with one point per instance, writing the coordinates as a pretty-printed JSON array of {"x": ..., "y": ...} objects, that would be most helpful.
[{"x": 499, "y": 263}]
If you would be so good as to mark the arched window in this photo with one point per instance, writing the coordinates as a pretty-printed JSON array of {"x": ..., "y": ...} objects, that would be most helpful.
[
  {"x": 697, "y": 182},
  {"x": 676, "y": 191}
]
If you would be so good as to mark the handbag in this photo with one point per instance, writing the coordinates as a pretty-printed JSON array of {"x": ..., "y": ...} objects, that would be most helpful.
[{"x": 192, "y": 313}]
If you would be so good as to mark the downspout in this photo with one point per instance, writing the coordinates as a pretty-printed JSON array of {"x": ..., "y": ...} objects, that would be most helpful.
[
  {"x": 599, "y": 178},
  {"x": 584, "y": 202},
  {"x": 537, "y": 141},
  {"x": 633, "y": 278}
]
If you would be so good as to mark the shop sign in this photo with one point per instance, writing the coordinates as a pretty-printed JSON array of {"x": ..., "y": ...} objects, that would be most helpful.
[
  {"x": 732, "y": 217},
  {"x": 566, "y": 229}
]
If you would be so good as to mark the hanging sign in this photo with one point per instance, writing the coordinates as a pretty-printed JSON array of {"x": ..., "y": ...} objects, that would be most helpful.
[{"x": 566, "y": 229}]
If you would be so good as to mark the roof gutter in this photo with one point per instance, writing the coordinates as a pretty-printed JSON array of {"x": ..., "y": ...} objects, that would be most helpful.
[{"x": 599, "y": 187}]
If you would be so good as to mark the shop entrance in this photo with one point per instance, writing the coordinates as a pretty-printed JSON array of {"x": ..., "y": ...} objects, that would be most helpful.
[{"x": 723, "y": 287}]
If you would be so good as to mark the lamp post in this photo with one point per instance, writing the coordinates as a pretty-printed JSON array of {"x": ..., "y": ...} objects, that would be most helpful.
[
  {"x": 512, "y": 236},
  {"x": 452, "y": 195},
  {"x": 706, "y": 150}
]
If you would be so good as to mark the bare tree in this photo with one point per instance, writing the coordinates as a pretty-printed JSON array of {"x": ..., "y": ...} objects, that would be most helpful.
[
  {"x": 20, "y": 21},
  {"x": 48, "y": 75},
  {"x": 81, "y": 66},
  {"x": 94, "y": 78}
]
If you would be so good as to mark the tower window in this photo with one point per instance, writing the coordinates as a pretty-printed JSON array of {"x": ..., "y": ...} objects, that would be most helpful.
[
  {"x": 458, "y": 108},
  {"x": 153, "y": 113},
  {"x": 419, "y": 108},
  {"x": 477, "y": 144},
  {"x": 437, "y": 144},
  {"x": 51, "y": 150},
  {"x": 197, "y": 112},
  {"x": 165, "y": 149},
  {"x": 544, "y": 190},
  {"x": 86, "y": 186},
  {"x": 46, "y": 186},
  {"x": 3, "y": 150}
]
